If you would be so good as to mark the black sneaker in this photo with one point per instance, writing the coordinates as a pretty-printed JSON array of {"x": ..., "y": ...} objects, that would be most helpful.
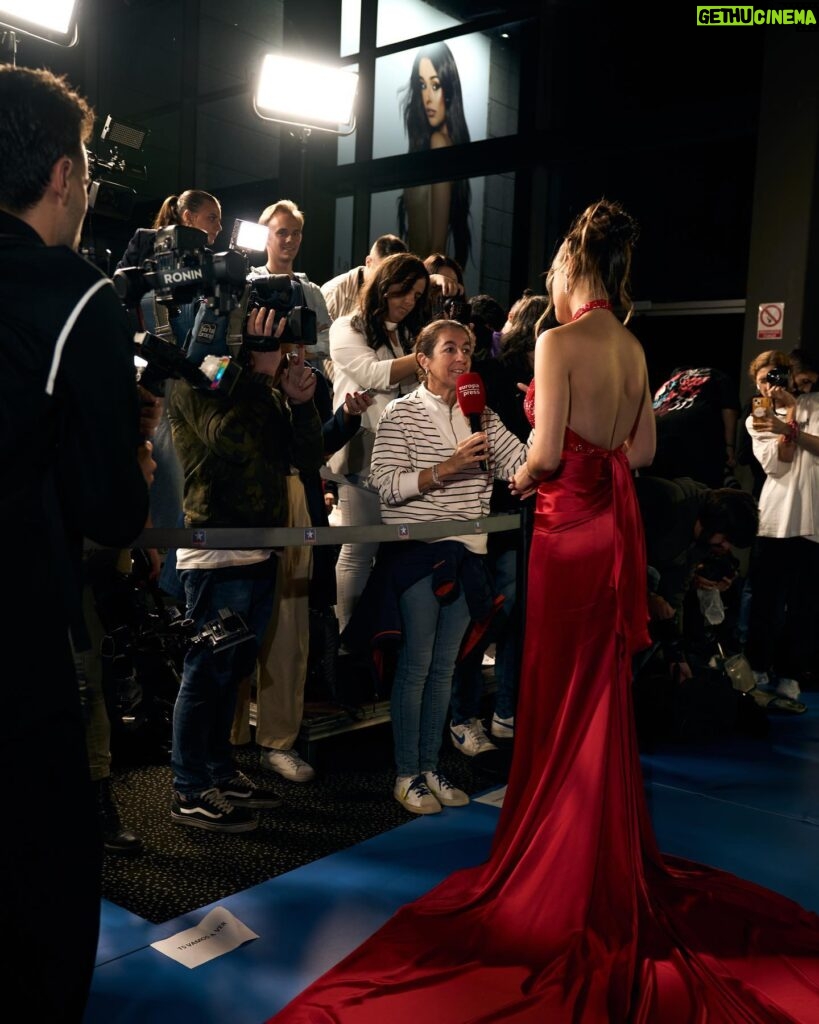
[
  {"x": 211, "y": 811},
  {"x": 243, "y": 793}
]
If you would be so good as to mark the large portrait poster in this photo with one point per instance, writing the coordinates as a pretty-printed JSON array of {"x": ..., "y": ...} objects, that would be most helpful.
[{"x": 430, "y": 97}]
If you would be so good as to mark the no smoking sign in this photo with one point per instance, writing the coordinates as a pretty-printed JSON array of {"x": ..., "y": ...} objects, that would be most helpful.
[{"x": 769, "y": 321}]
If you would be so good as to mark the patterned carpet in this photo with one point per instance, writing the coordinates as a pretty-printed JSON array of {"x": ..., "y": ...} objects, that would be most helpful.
[{"x": 182, "y": 869}]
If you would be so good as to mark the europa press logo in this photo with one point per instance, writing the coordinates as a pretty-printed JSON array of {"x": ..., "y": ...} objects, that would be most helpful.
[{"x": 755, "y": 16}]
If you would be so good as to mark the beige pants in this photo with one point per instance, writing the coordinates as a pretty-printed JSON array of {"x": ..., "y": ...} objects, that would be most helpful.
[{"x": 281, "y": 669}]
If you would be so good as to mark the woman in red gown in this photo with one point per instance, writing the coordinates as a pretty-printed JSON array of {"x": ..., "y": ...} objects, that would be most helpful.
[{"x": 576, "y": 918}]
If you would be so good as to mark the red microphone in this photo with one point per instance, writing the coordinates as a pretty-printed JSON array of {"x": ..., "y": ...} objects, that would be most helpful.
[{"x": 472, "y": 401}]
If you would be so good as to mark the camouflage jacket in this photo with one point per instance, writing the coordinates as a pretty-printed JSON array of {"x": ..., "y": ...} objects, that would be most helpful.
[{"x": 236, "y": 452}]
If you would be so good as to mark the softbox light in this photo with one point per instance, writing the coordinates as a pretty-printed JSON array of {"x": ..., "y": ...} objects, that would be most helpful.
[
  {"x": 306, "y": 94},
  {"x": 55, "y": 21}
]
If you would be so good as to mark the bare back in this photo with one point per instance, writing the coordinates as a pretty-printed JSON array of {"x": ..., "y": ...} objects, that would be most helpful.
[
  {"x": 607, "y": 379},
  {"x": 591, "y": 376}
]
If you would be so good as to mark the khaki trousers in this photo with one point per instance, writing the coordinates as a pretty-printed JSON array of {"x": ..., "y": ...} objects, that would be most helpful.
[{"x": 281, "y": 668}]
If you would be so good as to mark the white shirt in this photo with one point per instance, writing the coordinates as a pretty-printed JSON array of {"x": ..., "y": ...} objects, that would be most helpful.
[
  {"x": 356, "y": 367},
  {"x": 341, "y": 293},
  {"x": 789, "y": 502}
]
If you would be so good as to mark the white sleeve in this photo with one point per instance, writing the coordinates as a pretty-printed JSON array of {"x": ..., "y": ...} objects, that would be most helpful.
[
  {"x": 353, "y": 356},
  {"x": 391, "y": 470},
  {"x": 766, "y": 450}
]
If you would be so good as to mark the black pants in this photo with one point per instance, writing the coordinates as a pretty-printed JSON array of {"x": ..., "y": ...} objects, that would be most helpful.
[
  {"x": 784, "y": 579},
  {"x": 51, "y": 859}
]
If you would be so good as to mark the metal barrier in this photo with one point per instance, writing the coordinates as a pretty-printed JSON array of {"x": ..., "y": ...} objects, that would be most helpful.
[{"x": 283, "y": 537}]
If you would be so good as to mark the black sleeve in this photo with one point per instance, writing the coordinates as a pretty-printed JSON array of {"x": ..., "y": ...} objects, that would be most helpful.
[
  {"x": 106, "y": 497},
  {"x": 138, "y": 249},
  {"x": 338, "y": 430},
  {"x": 727, "y": 390}
]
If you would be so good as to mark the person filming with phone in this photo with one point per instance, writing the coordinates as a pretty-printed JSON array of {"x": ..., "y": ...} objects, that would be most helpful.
[{"x": 784, "y": 430}]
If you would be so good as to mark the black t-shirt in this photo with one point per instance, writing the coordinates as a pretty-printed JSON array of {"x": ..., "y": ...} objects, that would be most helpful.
[{"x": 690, "y": 429}]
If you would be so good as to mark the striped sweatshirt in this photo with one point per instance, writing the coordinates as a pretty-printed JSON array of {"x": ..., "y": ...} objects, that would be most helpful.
[{"x": 419, "y": 431}]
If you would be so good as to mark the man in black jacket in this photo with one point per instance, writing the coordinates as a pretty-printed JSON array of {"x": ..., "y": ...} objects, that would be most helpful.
[{"x": 73, "y": 467}]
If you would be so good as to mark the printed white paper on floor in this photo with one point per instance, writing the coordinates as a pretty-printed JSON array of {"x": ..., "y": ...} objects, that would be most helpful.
[
  {"x": 494, "y": 798},
  {"x": 218, "y": 932}
]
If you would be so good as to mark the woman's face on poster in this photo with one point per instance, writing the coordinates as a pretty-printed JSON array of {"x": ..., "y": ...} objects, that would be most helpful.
[{"x": 432, "y": 94}]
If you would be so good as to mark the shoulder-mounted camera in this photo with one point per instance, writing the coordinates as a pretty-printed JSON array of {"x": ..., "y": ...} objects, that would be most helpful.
[{"x": 183, "y": 268}]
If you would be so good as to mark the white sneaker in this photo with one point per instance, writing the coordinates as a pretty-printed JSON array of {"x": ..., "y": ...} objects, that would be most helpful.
[
  {"x": 413, "y": 794},
  {"x": 287, "y": 763},
  {"x": 470, "y": 737},
  {"x": 444, "y": 792},
  {"x": 788, "y": 688},
  {"x": 503, "y": 728}
]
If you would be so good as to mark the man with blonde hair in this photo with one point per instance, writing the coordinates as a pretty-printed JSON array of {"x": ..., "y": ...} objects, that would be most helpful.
[{"x": 285, "y": 224}]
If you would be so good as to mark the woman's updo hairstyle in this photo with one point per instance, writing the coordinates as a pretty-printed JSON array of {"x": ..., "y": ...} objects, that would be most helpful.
[
  {"x": 192, "y": 200},
  {"x": 598, "y": 249}
]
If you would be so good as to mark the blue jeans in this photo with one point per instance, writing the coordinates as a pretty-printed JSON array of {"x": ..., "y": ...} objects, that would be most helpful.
[
  {"x": 432, "y": 635},
  {"x": 201, "y": 752},
  {"x": 467, "y": 684}
]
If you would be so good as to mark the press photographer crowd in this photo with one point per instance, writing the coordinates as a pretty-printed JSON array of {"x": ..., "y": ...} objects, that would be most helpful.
[{"x": 193, "y": 390}]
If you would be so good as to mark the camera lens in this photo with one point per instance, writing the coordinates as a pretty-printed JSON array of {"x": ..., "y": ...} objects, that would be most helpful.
[{"x": 777, "y": 377}]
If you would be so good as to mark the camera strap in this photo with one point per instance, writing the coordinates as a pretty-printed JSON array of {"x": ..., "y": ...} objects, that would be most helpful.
[
  {"x": 236, "y": 323},
  {"x": 162, "y": 321}
]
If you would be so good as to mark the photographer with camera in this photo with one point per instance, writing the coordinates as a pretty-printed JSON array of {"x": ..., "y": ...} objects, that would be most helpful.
[
  {"x": 237, "y": 451},
  {"x": 690, "y": 530},
  {"x": 285, "y": 231},
  {"x": 447, "y": 290},
  {"x": 303, "y": 618},
  {"x": 74, "y": 467},
  {"x": 341, "y": 292},
  {"x": 784, "y": 428},
  {"x": 172, "y": 321}
]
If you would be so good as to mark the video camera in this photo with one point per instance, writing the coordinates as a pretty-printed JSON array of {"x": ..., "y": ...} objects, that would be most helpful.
[
  {"x": 143, "y": 647},
  {"x": 181, "y": 269},
  {"x": 163, "y": 359},
  {"x": 285, "y": 296}
]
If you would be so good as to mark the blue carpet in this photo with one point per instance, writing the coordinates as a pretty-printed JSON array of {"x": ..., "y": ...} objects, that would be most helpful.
[{"x": 747, "y": 806}]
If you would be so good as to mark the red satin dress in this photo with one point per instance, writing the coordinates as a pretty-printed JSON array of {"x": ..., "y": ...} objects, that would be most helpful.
[{"x": 576, "y": 918}]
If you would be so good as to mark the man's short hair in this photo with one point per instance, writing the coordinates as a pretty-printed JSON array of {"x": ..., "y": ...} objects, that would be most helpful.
[
  {"x": 731, "y": 512},
  {"x": 43, "y": 119},
  {"x": 488, "y": 312},
  {"x": 387, "y": 245},
  {"x": 281, "y": 206}
]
